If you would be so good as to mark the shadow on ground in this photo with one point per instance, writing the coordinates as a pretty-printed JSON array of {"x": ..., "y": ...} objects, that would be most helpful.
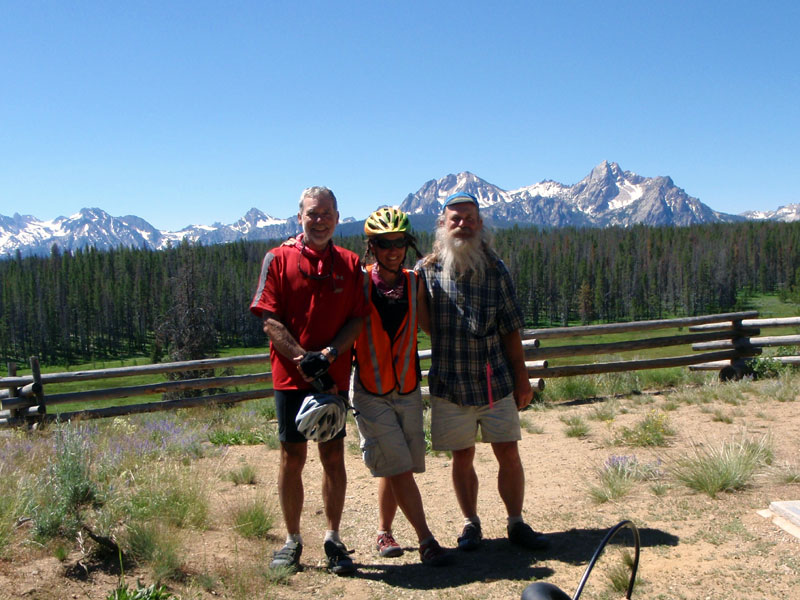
[
  {"x": 498, "y": 559},
  {"x": 495, "y": 560},
  {"x": 577, "y": 546}
]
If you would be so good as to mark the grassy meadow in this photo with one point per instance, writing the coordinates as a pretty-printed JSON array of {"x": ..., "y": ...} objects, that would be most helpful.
[{"x": 129, "y": 493}]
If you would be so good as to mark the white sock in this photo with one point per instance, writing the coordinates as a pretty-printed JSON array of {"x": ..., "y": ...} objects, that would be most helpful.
[
  {"x": 514, "y": 520},
  {"x": 332, "y": 535},
  {"x": 476, "y": 520},
  {"x": 294, "y": 537}
]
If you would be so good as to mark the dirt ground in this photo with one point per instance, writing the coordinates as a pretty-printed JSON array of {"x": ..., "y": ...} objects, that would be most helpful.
[{"x": 692, "y": 546}]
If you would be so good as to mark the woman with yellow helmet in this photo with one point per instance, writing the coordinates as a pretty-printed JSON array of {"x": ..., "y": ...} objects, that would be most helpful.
[{"x": 385, "y": 390}]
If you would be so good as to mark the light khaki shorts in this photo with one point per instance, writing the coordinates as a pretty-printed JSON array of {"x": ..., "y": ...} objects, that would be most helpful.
[
  {"x": 392, "y": 439},
  {"x": 455, "y": 427}
]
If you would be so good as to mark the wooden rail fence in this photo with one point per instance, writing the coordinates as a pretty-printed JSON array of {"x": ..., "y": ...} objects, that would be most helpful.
[{"x": 721, "y": 342}]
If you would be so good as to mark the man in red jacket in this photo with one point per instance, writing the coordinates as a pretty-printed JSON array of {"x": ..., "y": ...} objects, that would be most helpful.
[{"x": 311, "y": 300}]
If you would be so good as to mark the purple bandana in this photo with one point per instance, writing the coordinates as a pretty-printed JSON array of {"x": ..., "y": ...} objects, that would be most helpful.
[{"x": 384, "y": 289}]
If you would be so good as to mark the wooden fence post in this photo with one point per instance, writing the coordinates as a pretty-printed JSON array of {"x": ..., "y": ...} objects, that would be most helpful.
[
  {"x": 741, "y": 343},
  {"x": 14, "y": 391},
  {"x": 37, "y": 417}
]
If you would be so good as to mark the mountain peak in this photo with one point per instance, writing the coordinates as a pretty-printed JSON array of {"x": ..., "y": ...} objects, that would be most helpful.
[
  {"x": 606, "y": 196},
  {"x": 606, "y": 171}
]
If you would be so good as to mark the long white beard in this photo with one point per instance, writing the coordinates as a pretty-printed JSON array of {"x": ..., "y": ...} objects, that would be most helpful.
[{"x": 460, "y": 255}]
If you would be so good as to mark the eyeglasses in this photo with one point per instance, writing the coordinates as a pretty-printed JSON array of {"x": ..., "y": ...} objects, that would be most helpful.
[
  {"x": 385, "y": 244},
  {"x": 313, "y": 275}
]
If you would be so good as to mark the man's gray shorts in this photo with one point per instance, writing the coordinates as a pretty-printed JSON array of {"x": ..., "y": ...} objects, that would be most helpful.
[
  {"x": 455, "y": 427},
  {"x": 392, "y": 438}
]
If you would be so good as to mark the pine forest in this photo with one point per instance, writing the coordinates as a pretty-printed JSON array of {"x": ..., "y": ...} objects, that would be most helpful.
[{"x": 88, "y": 305}]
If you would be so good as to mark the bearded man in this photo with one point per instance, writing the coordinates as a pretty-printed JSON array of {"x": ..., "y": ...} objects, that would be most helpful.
[{"x": 477, "y": 376}]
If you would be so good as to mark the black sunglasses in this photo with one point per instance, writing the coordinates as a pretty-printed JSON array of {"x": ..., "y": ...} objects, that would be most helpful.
[
  {"x": 385, "y": 244},
  {"x": 312, "y": 275}
]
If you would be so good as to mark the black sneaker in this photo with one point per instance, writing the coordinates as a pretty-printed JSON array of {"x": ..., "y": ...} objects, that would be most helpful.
[
  {"x": 521, "y": 534},
  {"x": 339, "y": 561},
  {"x": 470, "y": 537},
  {"x": 288, "y": 556},
  {"x": 433, "y": 555}
]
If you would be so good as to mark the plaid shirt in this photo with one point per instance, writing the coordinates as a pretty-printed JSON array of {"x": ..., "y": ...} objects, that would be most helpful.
[{"x": 468, "y": 317}]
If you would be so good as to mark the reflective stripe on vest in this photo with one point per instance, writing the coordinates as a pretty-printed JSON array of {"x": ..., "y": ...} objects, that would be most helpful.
[{"x": 384, "y": 365}]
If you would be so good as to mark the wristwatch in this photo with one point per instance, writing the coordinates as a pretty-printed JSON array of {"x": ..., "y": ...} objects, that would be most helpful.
[{"x": 332, "y": 353}]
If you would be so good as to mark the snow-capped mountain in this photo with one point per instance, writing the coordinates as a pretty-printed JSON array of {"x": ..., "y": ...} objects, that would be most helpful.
[
  {"x": 89, "y": 227},
  {"x": 254, "y": 225},
  {"x": 788, "y": 213},
  {"x": 95, "y": 227},
  {"x": 606, "y": 196}
]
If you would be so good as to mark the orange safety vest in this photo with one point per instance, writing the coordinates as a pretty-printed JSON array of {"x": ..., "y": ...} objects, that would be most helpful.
[{"x": 383, "y": 364}]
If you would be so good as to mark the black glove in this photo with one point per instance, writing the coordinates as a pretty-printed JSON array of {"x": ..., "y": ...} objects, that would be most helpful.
[
  {"x": 314, "y": 364},
  {"x": 323, "y": 383}
]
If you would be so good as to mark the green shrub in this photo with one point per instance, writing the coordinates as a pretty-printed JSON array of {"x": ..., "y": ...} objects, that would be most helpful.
[
  {"x": 575, "y": 426},
  {"x": 264, "y": 434},
  {"x": 669, "y": 406},
  {"x": 619, "y": 575},
  {"x": 234, "y": 437},
  {"x": 663, "y": 378},
  {"x": 659, "y": 488},
  {"x": 253, "y": 520},
  {"x": 788, "y": 473},
  {"x": 154, "y": 544},
  {"x": 721, "y": 417},
  {"x": 153, "y": 592},
  {"x": 570, "y": 388},
  {"x": 724, "y": 468},
  {"x": 65, "y": 487},
  {"x": 8, "y": 504},
  {"x": 653, "y": 430},
  {"x": 618, "y": 384},
  {"x": 529, "y": 426},
  {"x": 244, "y": 475},
  {"x": 170, "y": 494},
  {"x": 606, "y": 411},
  {"x": 265, "y": 408},
  {"x": 618, "y": 475},
  {"x": 765, "y": 367},
  {"x": 784, "y": 388}
]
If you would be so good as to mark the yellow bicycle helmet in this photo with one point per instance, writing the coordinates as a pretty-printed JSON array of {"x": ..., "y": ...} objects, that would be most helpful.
[{"x": 387, "y": 220}]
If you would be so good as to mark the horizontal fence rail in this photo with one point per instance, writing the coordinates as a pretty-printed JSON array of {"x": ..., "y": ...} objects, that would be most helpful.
[
  {"x": 725, "y": 328},
  {"x": 629, "y": 345},
  {"x": 736, "y": 366},
  {"x": 778, "y": 322},
  {"x": 562, "y": 332},
  {"x": 18, "y": 408},
  {"x": 140, "y": 390},
  {"x": 721, "y": 342},
  {"x": 154, "y": 369}
]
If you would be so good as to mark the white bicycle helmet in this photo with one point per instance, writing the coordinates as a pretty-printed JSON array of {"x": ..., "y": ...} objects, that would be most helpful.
[{"x": 321, "y": 417}]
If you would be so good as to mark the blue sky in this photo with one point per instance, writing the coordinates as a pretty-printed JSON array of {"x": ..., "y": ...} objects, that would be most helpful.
[{"x": 194, "y": 112}]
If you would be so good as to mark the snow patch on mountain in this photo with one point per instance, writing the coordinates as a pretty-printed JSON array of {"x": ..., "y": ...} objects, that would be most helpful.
[
  {"x": 607, "y": 196},
  {"x": 789, "y": 214},
  {"x": 628, "y": 194}
]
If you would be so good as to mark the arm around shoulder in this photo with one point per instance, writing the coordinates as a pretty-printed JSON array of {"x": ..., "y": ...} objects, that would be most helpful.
[
  {"x": 347, "y": 335},
  {"x": 423, "y": 307}
]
